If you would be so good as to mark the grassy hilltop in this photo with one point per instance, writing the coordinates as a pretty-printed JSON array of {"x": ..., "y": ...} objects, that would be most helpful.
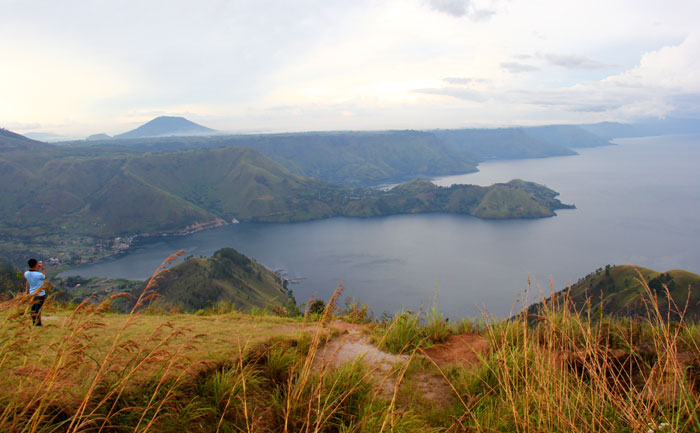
[
  {"x": 338, "y": 370},
  {"x": 622, "y": 291},
  {"x": 227, "y": 277}
]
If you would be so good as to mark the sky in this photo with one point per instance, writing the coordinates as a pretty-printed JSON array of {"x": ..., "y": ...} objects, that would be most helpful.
[{"x": 80, "y": 67}]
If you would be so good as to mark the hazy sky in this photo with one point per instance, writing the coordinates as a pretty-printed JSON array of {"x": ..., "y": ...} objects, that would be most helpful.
[{"x": 81, "y": 67}]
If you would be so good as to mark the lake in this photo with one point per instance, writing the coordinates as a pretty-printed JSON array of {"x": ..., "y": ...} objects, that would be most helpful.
[{"x": 638, "y": 202}]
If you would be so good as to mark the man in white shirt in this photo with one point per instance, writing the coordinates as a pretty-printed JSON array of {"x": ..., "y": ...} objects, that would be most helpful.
[{"x": 35, "y": 277}]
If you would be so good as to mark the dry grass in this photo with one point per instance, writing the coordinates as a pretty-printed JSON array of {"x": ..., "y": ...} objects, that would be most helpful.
[{"x": 91, "y": 370}]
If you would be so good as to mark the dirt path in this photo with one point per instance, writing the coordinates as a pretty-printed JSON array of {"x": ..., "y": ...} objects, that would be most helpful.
[
  {"x": 460, "y": 349},
  {"x": 353, "y": 343}
]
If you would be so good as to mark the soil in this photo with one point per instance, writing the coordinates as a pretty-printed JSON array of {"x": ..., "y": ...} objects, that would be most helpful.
[
  {"x": 429, "y": 384},
  {"x": 461, "y": 349},
  {"x": 351, "y": 344}
]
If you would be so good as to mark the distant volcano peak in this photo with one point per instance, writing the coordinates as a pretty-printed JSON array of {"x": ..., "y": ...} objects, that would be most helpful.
[{"x": 165, "y": 126}]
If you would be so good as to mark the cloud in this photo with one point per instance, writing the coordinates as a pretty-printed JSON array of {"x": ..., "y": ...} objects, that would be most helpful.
[
  {"x": 456, "y": 92},
  {"x": 578, "y": 99},
  {"x": 311, "y": 54},
  {"x": 464, "y": 81},
  {"x": 515, "y": 67},
  {"x": 457, "y": 81},
  {"x": 461, "y": 8},
  {"x": 664, "y": 83},
  {"x": 577, "y": 62},
  {"x": 457, "y": 8}
]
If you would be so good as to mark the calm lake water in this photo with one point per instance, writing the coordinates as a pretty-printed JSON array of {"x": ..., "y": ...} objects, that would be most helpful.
[{"x": 637, "y": 203}]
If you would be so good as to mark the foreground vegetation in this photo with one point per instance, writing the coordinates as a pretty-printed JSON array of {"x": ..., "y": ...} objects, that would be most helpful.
[{"x": 560, "y": 370}]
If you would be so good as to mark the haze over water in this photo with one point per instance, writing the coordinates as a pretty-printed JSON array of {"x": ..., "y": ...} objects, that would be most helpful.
[{"x": 637, "y": 203}]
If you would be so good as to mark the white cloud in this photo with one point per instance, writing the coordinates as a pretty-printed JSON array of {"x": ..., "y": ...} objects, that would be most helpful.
[
  {"x": 457, "y": 92},
  {"x": 570, "y": 61},
  {"x": 664, "y": 83},
  {"x": 457, "y": 8},
  {"x": 515, "y": 67},
  {"x": 461, "y": 8}
]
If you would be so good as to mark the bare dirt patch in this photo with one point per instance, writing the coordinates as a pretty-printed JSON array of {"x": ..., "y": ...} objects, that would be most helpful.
[
  {"x": 349, "y": 346},
  {"x": 427, "y": 384},
  {"x": 352, "y": 344},
  {"x": 460, "y": 349}
]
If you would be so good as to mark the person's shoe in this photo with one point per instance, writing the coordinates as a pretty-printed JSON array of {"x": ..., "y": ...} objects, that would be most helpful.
[{"x": 38, "y": 324}]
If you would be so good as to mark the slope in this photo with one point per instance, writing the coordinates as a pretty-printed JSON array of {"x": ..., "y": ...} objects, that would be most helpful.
[
  {"x": 351, "y": 158},
  {"x": 571, "y": 136},
  {"x": 619, "y": 291},
  {"x": 506, "y": 143}
]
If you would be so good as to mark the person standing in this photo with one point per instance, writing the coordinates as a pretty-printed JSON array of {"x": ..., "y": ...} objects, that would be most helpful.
[{"x": 35, "y": 277}]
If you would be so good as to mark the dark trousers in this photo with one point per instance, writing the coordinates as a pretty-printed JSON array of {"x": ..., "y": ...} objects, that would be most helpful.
[{"x": 36, "y": 310}]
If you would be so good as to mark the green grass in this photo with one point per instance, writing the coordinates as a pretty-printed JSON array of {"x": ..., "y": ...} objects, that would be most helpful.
[{"x": 407, "y": 332}]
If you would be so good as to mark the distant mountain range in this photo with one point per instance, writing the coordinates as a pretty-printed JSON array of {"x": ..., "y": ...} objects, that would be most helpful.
[
  {"x": 108, "y": 191},
  {"x": 369, "y": 158},
  {"x": 365, "y": 158},
  {"x": 165, "y": 126},
  {"x": 649, "y": 127}
]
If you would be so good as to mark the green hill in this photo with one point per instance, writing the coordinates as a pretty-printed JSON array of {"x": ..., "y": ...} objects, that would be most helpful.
[
  {"x": 362, "y": 158},
  {"x": 228, "y": 276},
  {"x": 11, "y": 141},
  {"x": 618, "y": 291},
  {"x": 505, "y": 143},
  {"x": 571, "y": 136},
  {"x": 373, "y": 157},
  {"x": 113, "y": 195}
]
